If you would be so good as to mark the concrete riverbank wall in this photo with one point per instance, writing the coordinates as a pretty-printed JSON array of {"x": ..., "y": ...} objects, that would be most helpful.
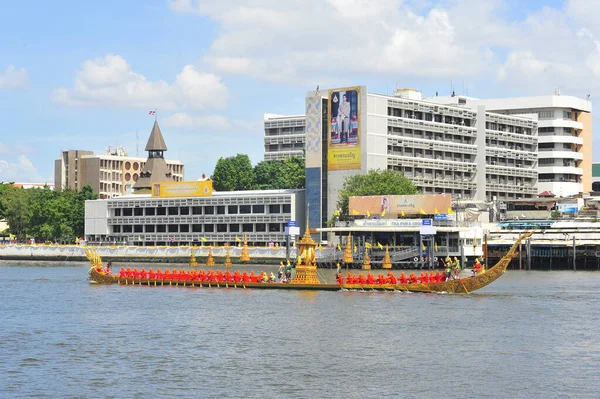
[{"x": 180, "y": 254}]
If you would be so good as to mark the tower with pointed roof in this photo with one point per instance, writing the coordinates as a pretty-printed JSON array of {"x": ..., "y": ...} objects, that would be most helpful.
[{"x": 156, "y": 169}]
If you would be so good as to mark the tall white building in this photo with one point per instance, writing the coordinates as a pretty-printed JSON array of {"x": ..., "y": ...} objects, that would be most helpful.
[
  {"x": 469, "y": 153},
  {"x": 284, "y": 136},
  {"x": 564, "y": 137}
]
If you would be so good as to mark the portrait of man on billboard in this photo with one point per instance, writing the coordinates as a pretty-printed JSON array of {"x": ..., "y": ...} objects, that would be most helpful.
[
  {"x": 344, "y": 119},
  {"x": 385, "y": 204}
]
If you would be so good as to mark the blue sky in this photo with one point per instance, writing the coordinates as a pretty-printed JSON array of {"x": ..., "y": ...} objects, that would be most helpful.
[{"x": 83, "y": 75}]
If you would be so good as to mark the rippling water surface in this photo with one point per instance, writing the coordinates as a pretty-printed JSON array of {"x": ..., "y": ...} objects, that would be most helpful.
[{"x": 528, "y": 335}]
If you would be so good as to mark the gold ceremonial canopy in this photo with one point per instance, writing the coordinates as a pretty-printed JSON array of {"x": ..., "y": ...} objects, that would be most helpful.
[{"x": 306, "y": 268}]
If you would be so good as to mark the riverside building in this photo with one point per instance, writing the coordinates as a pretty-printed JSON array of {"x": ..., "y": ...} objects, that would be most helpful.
[
  {"x": 284, "y": 136},
  {"x": 189, "y": 213},
  {"x": 445, "y": 149},
  {"x": 564, "y": 137},
  {"x": 111, "y": 174}
]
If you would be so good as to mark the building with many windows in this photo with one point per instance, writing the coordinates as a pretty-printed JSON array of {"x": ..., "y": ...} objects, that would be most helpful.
[
  {"x": 217, "y": 219},
  {"x": 564, "y": 139},
  {"x": 469, "y": 153},
  {"x": 284, "y": 136},
  {"x": 110, "y": 174}
]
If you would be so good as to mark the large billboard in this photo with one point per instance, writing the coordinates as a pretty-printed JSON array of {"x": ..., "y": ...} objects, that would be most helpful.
[
  {"x": 344, "y": 129},
  {"x": 401, "y": 204},
  {"x": 199, "y": 188}
]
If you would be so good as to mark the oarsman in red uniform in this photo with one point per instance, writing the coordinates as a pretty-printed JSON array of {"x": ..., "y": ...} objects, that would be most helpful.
[
  {"x": 350, "y": 278},
  {"x": 237, "y": 277},
  {"x": 203, "y": 276},
  {"x": 122, "y": 272},
  {"x": 143, "y": 273},
  {"x": 392, "y": 278},
  {"x": 245, "y": 277},
  {"x": 402, "y": 278},
  {"x": 371, "y": 279},
  {"x": 361, "y": 279},
  {"x": 136, "y": 273},
  {"x": 167, "y": 275},
  {"x": 340, "y": 279},
  {"x": 159, "y": 274},
  {"x": 253, "y": 277},
  {"x": 412, "y": 278}
]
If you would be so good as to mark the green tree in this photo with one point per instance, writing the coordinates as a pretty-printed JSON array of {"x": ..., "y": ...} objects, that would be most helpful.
[
  {"x": 268, "y": 175},
  {"x": 17, "y": 210},
  {"x": 280, "y": 174},
  {"x": 293, "y": 173},
  {"x": 4, "y": 187},
  {"x": 233, "y": 174},
  {"x": 375, "y": 182}
]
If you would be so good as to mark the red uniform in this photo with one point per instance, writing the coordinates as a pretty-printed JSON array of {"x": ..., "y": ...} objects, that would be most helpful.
[
  {"x": 402, "y": 278},
  {"x": 392, "y": 278}
]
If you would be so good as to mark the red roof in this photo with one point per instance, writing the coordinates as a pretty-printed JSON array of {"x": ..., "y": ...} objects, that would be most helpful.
[{"x": 548, "y": 194}]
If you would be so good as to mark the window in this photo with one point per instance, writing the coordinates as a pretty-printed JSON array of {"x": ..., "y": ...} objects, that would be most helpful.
[
  {"x": 127, "y": 228},
  {"x": 232, "y": 209},
  {"x": 274, "y": 208},
  {"x": 161, "y": 228},
  {"x": 258, "y": 209},
  {"x": 247, "y": 228},
  {"x": 274, "y": 227},
  {"x": 173, "y": 210},
  {"x": 209, "y": 228},
  {"x": 116, "y": 229},
  {"x": 138, "y": 211},
  {"x": 127, "y": 212},
  {"x": 173, "y": 228},
  {"x": 196, "y": 228},
  {"x": 150, "y": 211},
  {"x": 196, "y": 210},
  {"x": 234, "y": 228},
  {"x": 209, "y": 210},
  {"x": 138, "y": 228},
  {"x": 184, "y": 210},
  {"x": 161, "y": 211},
  {"x": 221, "y": 210},
  {"x": 149, "y": 228},
  {"x": 184, "y": 228},
  {"x": 245, "y": 209},
  {"x": 287, "y": 208},
  {"x": 549, "y": 114},
  {"x": 261, "y": 227},
  {"x": 118, "y": 212}
]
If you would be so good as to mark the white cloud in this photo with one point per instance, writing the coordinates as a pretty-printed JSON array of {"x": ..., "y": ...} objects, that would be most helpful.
[
  {"x": 183, "y": 120},
  {"x": 13, "y": 78},
  {"x": 110, "y": 82},
  {"x": 298, "y": 41},
  {"x": 302, "y": 41},
  {"x": 22, "y": 170}
]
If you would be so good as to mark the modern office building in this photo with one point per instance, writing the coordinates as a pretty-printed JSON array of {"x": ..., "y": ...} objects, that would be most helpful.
[
  {"x": 284, "y": 136},
  {"x": 564, "y": 137},
  {"x": 208, "y": 219},
  {"x": 111, "y": 174},
  {"x": 469, "y": 153}
]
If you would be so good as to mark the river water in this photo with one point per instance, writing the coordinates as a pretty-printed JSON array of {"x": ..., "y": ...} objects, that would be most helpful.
[{"x": 527, "y": 335}]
